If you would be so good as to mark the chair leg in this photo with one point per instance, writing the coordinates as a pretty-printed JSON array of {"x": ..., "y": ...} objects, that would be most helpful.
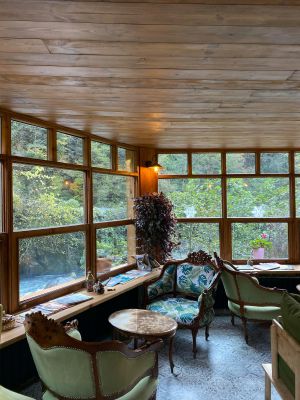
[
  {"x": 153, "y": 397},
  {"x": 244, "y": 320},
  {"x": 232, "y": 319},
  {"x": 206, "y": 332},
  {"x": 194, "y": 334}
]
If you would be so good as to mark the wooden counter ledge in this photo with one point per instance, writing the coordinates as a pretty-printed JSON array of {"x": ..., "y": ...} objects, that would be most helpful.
[{"x": 13, "y": 335}]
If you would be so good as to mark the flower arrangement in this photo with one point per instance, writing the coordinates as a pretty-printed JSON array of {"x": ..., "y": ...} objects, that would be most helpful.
[{"x": 261, "y": 242}]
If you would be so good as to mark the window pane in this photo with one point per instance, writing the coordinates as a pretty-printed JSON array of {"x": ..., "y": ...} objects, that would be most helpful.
[
  {"x": 69, "y": 148},
  {"x": 274, "y": 163},
  {"x": 101, "y": 155},
  {"x": 240, "y": 163},
  {"x": 28, "y": 140},
  {"x": 297, "y": 184},
  {"x": 193, "y": 197},
  {"x": 206, "y": 163},
  {"x": 193, "y": 237},
  {"x": 297, "y": 163},
  {"x": 126, "y": 160},
  {"x": 258, "y": 197},
  {"x": 45, "y": 196},
  {"x": 113, "y": 197},
  {"x": 173, "y": 164},
  {"x": 243, "y": 234},
  {"x": 42, "y": 266},
  {"x": 115, "y": 246}
]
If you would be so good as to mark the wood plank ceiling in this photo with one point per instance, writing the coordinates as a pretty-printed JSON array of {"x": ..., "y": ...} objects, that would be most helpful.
[{"x": 166, "y": 73}]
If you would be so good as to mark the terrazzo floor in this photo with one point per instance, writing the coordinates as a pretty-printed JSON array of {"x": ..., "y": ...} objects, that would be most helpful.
[{"x": 226, "y": 368}]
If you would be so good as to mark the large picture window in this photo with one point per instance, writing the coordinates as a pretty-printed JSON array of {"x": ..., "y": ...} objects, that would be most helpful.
[
  {"x": 194, "y": 197},
  {"x": 251, "y": 194},
  {"x": 45, "y": 197},
  {"x": 68, "y": 207},
  {"x": 113, "y": 197},
  {"x": 47, "y": 262}
]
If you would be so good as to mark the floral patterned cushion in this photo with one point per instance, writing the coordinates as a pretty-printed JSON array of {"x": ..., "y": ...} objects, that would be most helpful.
[
  {"x": 182, "y": 310},
  {"x": 163, "y": 285},
  {"x": 194, "y": 279}
]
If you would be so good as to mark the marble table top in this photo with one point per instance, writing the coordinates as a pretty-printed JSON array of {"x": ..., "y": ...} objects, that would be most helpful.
[{"x": 143, "y": 322}]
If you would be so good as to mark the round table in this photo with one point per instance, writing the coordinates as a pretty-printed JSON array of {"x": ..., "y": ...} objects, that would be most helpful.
[
  {"x": 298, "y": 287},
  {"x": 143, "y": 324}
]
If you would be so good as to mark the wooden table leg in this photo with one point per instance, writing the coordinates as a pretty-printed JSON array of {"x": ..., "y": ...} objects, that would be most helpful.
[
  {"x": 267, "y": 387},
  {"x": 171, "y": 353}
]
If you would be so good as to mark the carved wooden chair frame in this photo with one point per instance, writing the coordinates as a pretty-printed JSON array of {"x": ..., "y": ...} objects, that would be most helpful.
[
  {"x": 48, "y": 334},
  {"x": 235, "y": 273},
  {"x": 195, "y": 259}
]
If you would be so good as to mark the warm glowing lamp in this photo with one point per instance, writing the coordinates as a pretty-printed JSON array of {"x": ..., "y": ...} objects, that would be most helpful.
[{"x": 151, "y": 164}]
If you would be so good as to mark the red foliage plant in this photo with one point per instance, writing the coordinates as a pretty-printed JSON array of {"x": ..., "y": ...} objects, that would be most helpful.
[{"x": 155, "y": 225}]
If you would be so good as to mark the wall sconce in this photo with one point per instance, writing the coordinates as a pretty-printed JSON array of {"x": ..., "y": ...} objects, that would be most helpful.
[{"x": 153, "y": 164}]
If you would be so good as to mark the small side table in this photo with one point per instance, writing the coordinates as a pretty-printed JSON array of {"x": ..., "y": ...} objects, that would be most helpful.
[
  {"x": 144, "y": 324},
  {"x": 298, "y": 287}
]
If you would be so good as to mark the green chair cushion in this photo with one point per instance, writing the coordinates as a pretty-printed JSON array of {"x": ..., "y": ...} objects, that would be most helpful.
[
  {"x": 290, "y": 308},
  {"x": 182, "y": 310},
  {"x": 142, "y": 391},
  {"x": 125, "y": 370},
  {"x": 262, "y": 313},
  {"x": 6, "y": 394}
]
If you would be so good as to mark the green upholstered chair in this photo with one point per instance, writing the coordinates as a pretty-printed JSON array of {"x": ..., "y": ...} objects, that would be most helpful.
[
  {"x": 184, "y": 291},
  {"x": 6, "y": 394},
  {"x": 72, "y": 369},
  {"x": 247, "y": 299}
]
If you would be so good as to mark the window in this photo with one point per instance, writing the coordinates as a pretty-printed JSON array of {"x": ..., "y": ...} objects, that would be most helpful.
[
  {"x": 258, "y": 197},
  {"x": 240, "y": 163},
  {"x": 115, "y": 246},
  {"x": 126, "y": 160},
  {"x": 45, "y": 196},
  {"x": 113, "y": 197},
  {"x": 297, "y": 163},
  {"x": 101, "y": 155},
  {"x": 29, "y": 140},
  {"x": 206, "y": 163},
  {"x": 227, "y": 213},
  {"x": 174, "y": 164},
  {"x": 55, "y": 180},
  {"x": 196, "y": 236},
  {"x": 244, "y": 233},
  {"x": 69, "y": 148},
  {"x": 194, "y": 197},
  {"x": 43, "y": 267},
  {"x": 274, "y": 163}
]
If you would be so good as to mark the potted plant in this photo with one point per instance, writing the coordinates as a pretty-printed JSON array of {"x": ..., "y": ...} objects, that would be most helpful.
[
  {"x": 155, "y": 225},
  {"x": 259, "y": 245}
]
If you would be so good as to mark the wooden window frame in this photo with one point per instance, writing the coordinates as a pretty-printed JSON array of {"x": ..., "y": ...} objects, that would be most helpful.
[
  {"x": 226, "y": 222},
  {"x": 9, "y": 265}
]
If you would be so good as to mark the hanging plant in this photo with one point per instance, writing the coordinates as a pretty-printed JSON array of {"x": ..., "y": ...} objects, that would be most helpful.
[{"x": 155, "y": 225}]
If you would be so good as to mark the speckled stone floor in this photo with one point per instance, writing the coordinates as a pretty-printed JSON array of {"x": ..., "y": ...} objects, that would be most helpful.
[{"x": 225, "y": 368}]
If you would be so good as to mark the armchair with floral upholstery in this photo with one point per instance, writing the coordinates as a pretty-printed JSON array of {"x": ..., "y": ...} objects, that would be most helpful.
[
  {"x": 247, "y": 299},
  {"x": 184, "y": 291},
  {"x": 73, "y": 369}
]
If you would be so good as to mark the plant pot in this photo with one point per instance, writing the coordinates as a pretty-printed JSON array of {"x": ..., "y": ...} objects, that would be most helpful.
[
  {"x": 259, "y": 253},
  {"x": 103, "y": 264}
]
